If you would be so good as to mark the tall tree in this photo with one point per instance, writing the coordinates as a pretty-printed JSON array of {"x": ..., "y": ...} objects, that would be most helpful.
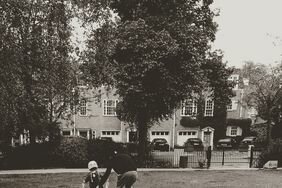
[
  {"x": 217, "y": 75},
  {"x": 156, "y": 54},
  {"x": 264, "y": 92},
  {"x": 36, "y": 71}
]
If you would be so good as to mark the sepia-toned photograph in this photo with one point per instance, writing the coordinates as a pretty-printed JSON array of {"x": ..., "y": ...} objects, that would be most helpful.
[{"x": 140, "y": 93}]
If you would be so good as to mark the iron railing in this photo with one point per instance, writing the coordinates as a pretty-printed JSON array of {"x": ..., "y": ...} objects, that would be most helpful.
[{"x": 196, "y": 159}]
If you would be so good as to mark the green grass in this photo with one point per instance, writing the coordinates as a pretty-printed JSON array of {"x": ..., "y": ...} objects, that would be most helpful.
[{"x": 208, "y": 179}]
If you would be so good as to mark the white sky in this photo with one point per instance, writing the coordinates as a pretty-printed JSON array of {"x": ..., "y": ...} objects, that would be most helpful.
[{"x": 249, "y": 30}]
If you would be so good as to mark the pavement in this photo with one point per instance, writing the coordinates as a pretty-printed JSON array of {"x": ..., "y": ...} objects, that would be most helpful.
[{"x": 76, "y": 170}]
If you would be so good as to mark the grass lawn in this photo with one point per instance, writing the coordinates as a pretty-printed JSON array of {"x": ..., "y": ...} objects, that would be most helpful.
[{"x": 250, "y": 179}]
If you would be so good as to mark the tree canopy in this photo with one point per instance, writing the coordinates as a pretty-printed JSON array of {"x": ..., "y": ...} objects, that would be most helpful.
[
  {"x": 36, "y": 74},
  {"x": 156, "y": 53},
  {"x": 264, "y": 91}
]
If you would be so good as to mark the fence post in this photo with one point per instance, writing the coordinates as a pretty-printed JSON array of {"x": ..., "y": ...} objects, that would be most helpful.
[
  {"x": 208, "y": 156},
  {"x": 222, "y": 156},
  {"x": 251, "y": 156}
]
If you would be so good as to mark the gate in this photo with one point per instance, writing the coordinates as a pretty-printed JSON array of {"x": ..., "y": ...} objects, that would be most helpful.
[{"x": 223, "y": 158}]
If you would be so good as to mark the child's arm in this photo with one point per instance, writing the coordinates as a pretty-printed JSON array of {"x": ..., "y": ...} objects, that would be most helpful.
[
  {"x": 83, "y": 185},
  {"x": 85, "y": 180}
]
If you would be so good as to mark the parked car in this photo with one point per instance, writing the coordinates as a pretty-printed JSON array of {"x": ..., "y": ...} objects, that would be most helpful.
[
  {"x": 226, "y": 143},
  {"x": 108, "y": 139},
  {"x": 160, "y": 144},
  {"x": 249, "y": 140},
  {"x": 195, "y": 142}
]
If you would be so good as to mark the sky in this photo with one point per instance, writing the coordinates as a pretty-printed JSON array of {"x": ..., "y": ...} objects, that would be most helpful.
[{"x": 249, "y": 30}]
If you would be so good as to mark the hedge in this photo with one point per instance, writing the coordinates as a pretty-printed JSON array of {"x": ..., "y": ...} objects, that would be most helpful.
[
  {"x": 29, "y": 156},
  {"x": 70, "y": 152},
  {"x": 274, "y": 153}
]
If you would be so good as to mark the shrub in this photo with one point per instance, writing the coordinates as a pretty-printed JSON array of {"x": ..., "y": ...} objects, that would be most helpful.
[
  {"x": 189, "y": 122},
  {"x": 274, "y": 153},
  {"x": 266, "y": 156},
  {"x": 28, "y": 156},
  {"x": 162, "y": 164},
  {"x": 71, "y": 152}
]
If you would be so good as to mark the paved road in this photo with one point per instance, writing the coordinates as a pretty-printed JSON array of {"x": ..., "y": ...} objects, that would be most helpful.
[{"x": 47, "y": 171}]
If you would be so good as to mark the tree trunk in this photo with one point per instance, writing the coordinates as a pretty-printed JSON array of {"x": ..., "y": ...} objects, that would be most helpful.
[
  {"x": 142, "y": 130},
  {"x": 32, "y": 136},
  {"x": 268, "y": 133}
]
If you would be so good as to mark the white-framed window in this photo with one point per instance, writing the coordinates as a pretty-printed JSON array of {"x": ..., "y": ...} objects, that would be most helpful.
[
  {"x": 188, "y": 108},
  {"x": 109, "y": 107},
  {"x": 110, "y": 133},
  {"x": 232, "y": 105},
  {"x": 93, "y": 134},
  {"x": 83, "y": 107},
  {"x": 184, "y": 133},
  {"x": 160, "y": 132},
  {"x": 83, "y": 133},
  {"x": 233, "y": 131},
  {"x": 234, "y": 78},
  {"x": 229, "y": 106},
  {"x": 209, "y": 106},
  {"x": 66, "y": 132}
]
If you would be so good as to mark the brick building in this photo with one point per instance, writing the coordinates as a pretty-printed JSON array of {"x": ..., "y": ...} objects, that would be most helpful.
[{"x": 96, "y": 118}]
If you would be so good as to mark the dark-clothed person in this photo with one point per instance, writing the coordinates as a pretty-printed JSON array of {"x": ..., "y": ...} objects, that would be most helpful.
[
  {"x": 208, "y": 153},
  {"x": 126, "y": 169}
]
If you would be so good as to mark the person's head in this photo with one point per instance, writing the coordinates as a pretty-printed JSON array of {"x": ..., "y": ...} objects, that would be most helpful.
[
  {"x": 92, "y": 165},
  {"x": 112, "y": 154}
]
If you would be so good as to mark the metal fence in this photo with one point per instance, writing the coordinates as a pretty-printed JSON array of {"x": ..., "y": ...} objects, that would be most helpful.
[{"x": 198, "y": 159}]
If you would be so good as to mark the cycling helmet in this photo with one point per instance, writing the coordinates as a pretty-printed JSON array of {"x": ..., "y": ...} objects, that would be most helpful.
[{"x": 92, "y": 164}]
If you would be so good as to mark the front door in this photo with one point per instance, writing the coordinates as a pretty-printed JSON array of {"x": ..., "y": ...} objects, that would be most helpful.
[
  {"x": 207, "y": 138},
  {"x": 132, "y": 136}
]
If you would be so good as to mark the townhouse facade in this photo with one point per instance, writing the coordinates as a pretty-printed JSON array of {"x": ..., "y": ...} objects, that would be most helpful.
[
  {"x": 96, "y": 118},
  {"x": 238, "y": 109}
]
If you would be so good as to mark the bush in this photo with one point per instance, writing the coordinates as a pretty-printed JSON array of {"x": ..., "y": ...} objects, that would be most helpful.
[
  {"x": 189, "y": 122},
  {"x": 274, "y": 153},
  {"x": 71, "y": 152},
  {"x": 266, "y": 156},
  {"x": 29, "y": 156},
  {"x": 162, "y": 164}
]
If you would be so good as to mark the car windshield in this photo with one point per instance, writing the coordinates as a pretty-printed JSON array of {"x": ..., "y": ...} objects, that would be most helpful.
[
  {"x": 224, "y": 140},
  {"x": 159, "y": 141},
  {"x": 249, "y": 139},
  {"x": 194, "y": 140}
]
